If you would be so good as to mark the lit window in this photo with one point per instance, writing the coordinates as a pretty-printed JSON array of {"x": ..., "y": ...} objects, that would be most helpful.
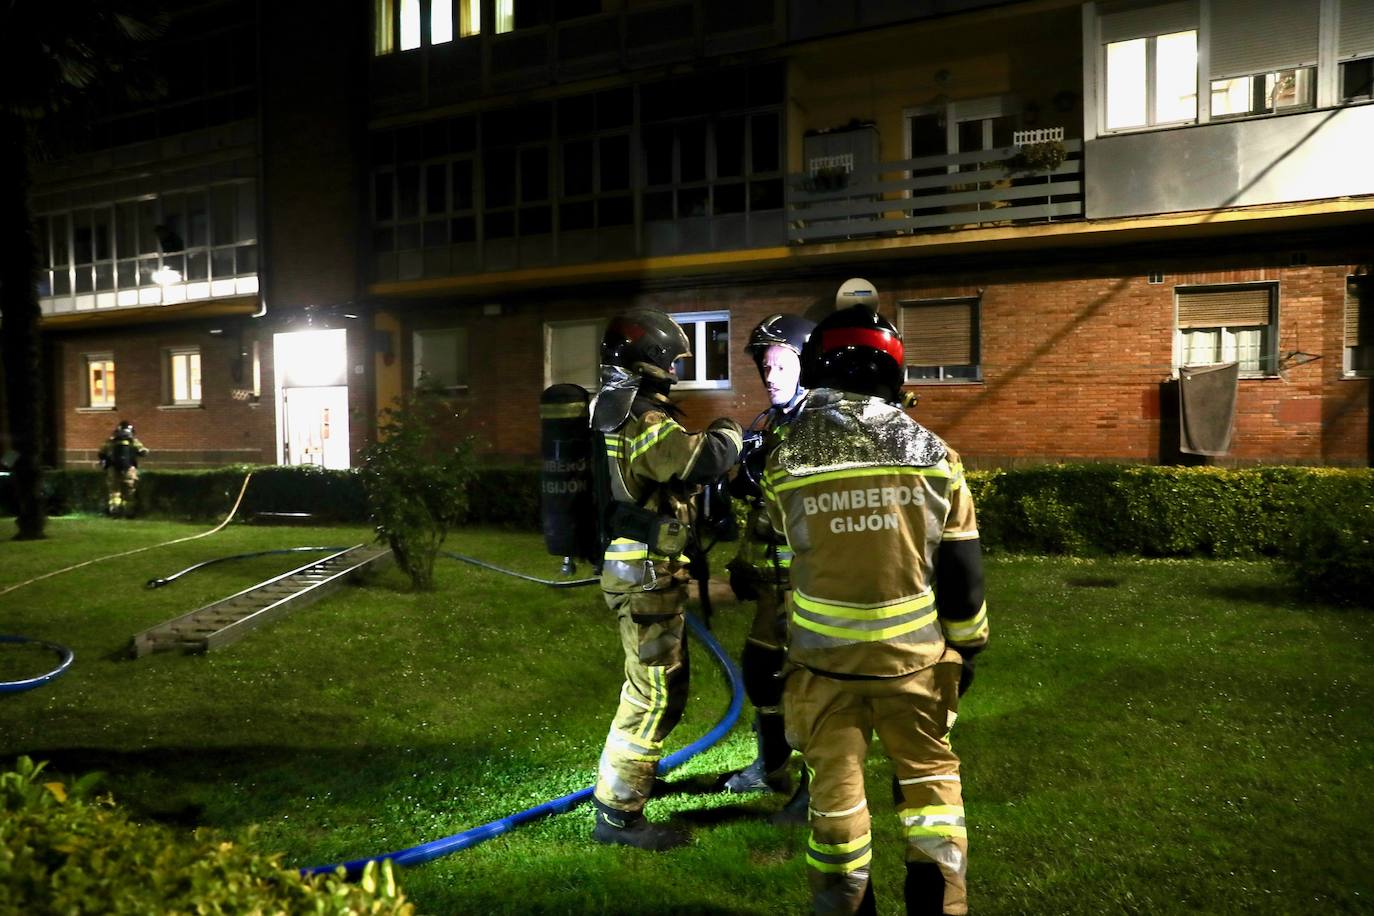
[
  {"x": 708, "y": 366},
  {"x": 1228, "y": 324},
  {"x": 440, "y": 21},
  {"x": 1359, "y": 325},
  {"x": 469, "y": 17},
  {"x": 505, "y": 16},
  {"x": 410, "y": 24},
  {"x": 384, "y": 27},
  {"x": 1264, "y": 92},
  {"x": 441, "y": 359},
  {"x": 940, "y": 339},
  {"x": 1151, "y": 81},
  {"x": 183, "y": 376},
  {"x": 572, "y": 353},
  {"x": 100, "y": 381}
]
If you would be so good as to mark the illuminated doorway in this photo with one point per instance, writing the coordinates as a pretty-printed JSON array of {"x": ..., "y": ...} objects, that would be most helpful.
[{"x": 312, "y": 398}]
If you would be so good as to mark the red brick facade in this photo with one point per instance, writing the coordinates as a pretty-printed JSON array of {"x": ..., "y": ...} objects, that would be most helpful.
[{"x": 1074, "y": 359}]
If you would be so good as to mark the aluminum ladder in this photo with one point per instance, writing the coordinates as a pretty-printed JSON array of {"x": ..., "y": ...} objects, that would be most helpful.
[{"x": 228, "y": 620}]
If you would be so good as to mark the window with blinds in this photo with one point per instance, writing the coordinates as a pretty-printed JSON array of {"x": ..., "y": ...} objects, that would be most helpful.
[
  {"x": 940, "y": 338},
  {"x": 1359, "y": 325},
  {"x": 1227, "y": 324}
]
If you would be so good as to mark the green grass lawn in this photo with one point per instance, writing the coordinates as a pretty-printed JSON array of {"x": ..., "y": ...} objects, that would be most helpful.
[{"x": 1143, "y": 736}]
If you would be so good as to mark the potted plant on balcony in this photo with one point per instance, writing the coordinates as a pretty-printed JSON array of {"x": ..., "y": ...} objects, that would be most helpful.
[{"x": 1045, "y": 156}]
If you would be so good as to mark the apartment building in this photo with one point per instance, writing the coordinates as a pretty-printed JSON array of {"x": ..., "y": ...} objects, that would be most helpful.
[{"x": 1062, "y": 204}]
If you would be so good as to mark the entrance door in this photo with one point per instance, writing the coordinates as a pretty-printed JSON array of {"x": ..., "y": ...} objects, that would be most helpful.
[
  {"x": 312, "y": 398},
  {"x": 316, "y": 426},
  {"x": 958, "y": 127}
]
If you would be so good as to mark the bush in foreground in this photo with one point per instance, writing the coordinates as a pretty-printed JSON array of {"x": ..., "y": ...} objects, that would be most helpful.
[
  {"x": 1332, "y": 555},
  {"x": 63, "y": 852}
]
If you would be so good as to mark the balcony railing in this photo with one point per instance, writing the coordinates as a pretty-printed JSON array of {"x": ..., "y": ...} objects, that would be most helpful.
[{"x": 933, "y": 193}]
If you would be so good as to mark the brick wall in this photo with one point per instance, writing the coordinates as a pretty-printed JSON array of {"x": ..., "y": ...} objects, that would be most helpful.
[
  {"x": 222, "y": 430},
  {"x": 1073, "y": 357}
]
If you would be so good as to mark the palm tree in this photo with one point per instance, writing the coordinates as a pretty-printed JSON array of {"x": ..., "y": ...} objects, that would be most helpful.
[{"x": 53, "y": 55}]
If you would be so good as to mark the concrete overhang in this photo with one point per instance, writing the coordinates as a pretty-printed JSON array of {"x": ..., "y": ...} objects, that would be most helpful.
[
  {"x": 1065, "y": 236},
  {"x": 150, "y": 314}
]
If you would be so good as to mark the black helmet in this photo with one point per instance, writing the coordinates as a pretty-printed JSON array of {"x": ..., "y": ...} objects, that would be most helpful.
[
  {"x": 125, "y": 430},
  {"x": 789, "y": 331},
  {"x": 856, "y": 350},
  {"x": 645, "y": 342}
]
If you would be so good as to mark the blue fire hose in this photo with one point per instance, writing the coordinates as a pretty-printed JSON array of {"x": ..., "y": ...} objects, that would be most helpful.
[
  {"x": 64, "y": 656},
  {"x": 426, "y": 852}
]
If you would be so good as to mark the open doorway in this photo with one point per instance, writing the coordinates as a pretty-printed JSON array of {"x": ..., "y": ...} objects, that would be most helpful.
[{"x": 312, "y": 398}]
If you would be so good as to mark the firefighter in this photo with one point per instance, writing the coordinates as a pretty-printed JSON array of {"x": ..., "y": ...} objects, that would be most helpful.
[
  {"x": 651, "y": 470},
  {"x": 759, "y": 570},
  {"x": 119, "y": 457},
  {"x": 886, "y": 613}
]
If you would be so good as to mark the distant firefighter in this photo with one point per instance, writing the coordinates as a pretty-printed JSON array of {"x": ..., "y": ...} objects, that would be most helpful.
[{"x": 119, "y": 457}]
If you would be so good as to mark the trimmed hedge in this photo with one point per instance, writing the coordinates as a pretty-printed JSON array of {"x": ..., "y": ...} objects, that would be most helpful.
[
  {"x": 61, "y": 852},
  {"x": 1160, "y": 511},
  {"x": 1083, "y": 509}
]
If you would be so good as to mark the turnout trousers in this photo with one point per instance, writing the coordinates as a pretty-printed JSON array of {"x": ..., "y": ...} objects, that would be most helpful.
[
  {"x": 832, "y": 722},
  {"x": 653, "y": 697},
  {"x": 120, "y": 487}
]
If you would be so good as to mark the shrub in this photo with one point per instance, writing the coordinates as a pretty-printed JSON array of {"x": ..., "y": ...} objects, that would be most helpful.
[
  {"x": 1332, "y": 555},
  {"x": 62, "y": 852},
  {"x": 416, "y": 483}
]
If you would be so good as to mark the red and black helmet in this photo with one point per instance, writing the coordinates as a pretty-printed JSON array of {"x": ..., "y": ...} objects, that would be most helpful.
[
  {"x": 645, "y": 342},
  {"x": 789, "y": 331},
  {"x": 855, "y": 350}
]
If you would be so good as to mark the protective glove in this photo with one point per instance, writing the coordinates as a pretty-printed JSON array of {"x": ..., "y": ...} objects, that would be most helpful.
[
  {"x": 965, "y": 674},
  {"x": 742, "y": 582},
  {"x": 727, "y": 424}
]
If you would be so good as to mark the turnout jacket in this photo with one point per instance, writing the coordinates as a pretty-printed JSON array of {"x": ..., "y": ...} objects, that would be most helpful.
[
  {"x": 662, "y": 466},
  {"x": 121, "y": 453},
  {"x": 762, "y": 549},
  {"x": 886, "y": 567}
]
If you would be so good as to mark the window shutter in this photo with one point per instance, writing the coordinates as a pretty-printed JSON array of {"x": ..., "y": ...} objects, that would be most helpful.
[
  {"x": 1246, "y": 307},
  {"x": 1141, "y": 22},
  {"x": 938, "y": 334},
  {"x": 1249, "y": 37},
  {"x": 1357, "y": 29},
  {"x": 1359, "y": 311}
]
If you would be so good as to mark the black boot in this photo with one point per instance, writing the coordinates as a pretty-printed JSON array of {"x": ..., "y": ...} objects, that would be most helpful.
[
  {"x": 867, "y": 906},
  {"x": 925, "y": 889},
  {"x": 767, "y": 771},
  {"x": 625, "y": 828},
  {"x": 796, "y": 809}
]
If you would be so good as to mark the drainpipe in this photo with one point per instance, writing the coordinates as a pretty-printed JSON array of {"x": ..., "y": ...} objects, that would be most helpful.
[{"x": 263, "y": 259}]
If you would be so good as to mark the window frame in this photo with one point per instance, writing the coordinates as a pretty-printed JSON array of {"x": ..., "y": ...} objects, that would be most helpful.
[
  {"x": 1152, "y": 121},
  {"x": 975, "y": 304},
  {"x": 463, "y": 351},
  {"x": 1269, "y": 342},
  {"x": 1365, "y": 305},
  {"x": 107, "y": 400},
  {"x": 195, "y": 383},
  {"x": 698, "y": 341},
  {"x": 551, "y": 327},
  {"x": 1257, "y": 82},
  {"x": 1359, "y": 98}
]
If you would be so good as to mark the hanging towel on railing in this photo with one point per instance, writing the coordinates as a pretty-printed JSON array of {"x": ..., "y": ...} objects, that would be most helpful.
[{"x": 1207, "y": 408}]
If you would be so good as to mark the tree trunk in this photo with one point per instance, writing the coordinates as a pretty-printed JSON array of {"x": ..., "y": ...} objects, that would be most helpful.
[{"x": 19, "y": 314}]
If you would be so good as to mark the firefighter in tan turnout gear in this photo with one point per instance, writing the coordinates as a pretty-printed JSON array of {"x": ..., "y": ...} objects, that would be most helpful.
[
  {"x": 119, "y": 457},
  {"x": 651, "y": 470},
  {"x": 887, "y": 613},
  {"x": 759, "y": 571}
]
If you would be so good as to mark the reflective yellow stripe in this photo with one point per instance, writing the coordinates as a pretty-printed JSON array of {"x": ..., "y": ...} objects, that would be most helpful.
[
  {"x": 960, "y": 535},
  {"x": 863, "y": 635},
  {"x": 645, "y": 440},
  {"x": 562, "y": 411},
  {"x": 932, "y": 811},
  {"x": 840, "y": 868},
  {"x": 967, "y": 630},
  {"x": 841, "y": 848},
  {"x": 937, "y": 830},
  {"x": 660, "y": 703},
  {"x": 626, "y": 549},
  {"x": 852, "y": 473},
  {"x": 864, "y": 611}
]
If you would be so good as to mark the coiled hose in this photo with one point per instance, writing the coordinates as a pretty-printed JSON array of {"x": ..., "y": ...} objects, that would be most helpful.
[{"x": 64, "y": 656}]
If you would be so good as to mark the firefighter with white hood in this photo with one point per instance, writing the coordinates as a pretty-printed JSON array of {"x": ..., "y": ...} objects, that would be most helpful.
[{"x": 886, "y": 614}]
